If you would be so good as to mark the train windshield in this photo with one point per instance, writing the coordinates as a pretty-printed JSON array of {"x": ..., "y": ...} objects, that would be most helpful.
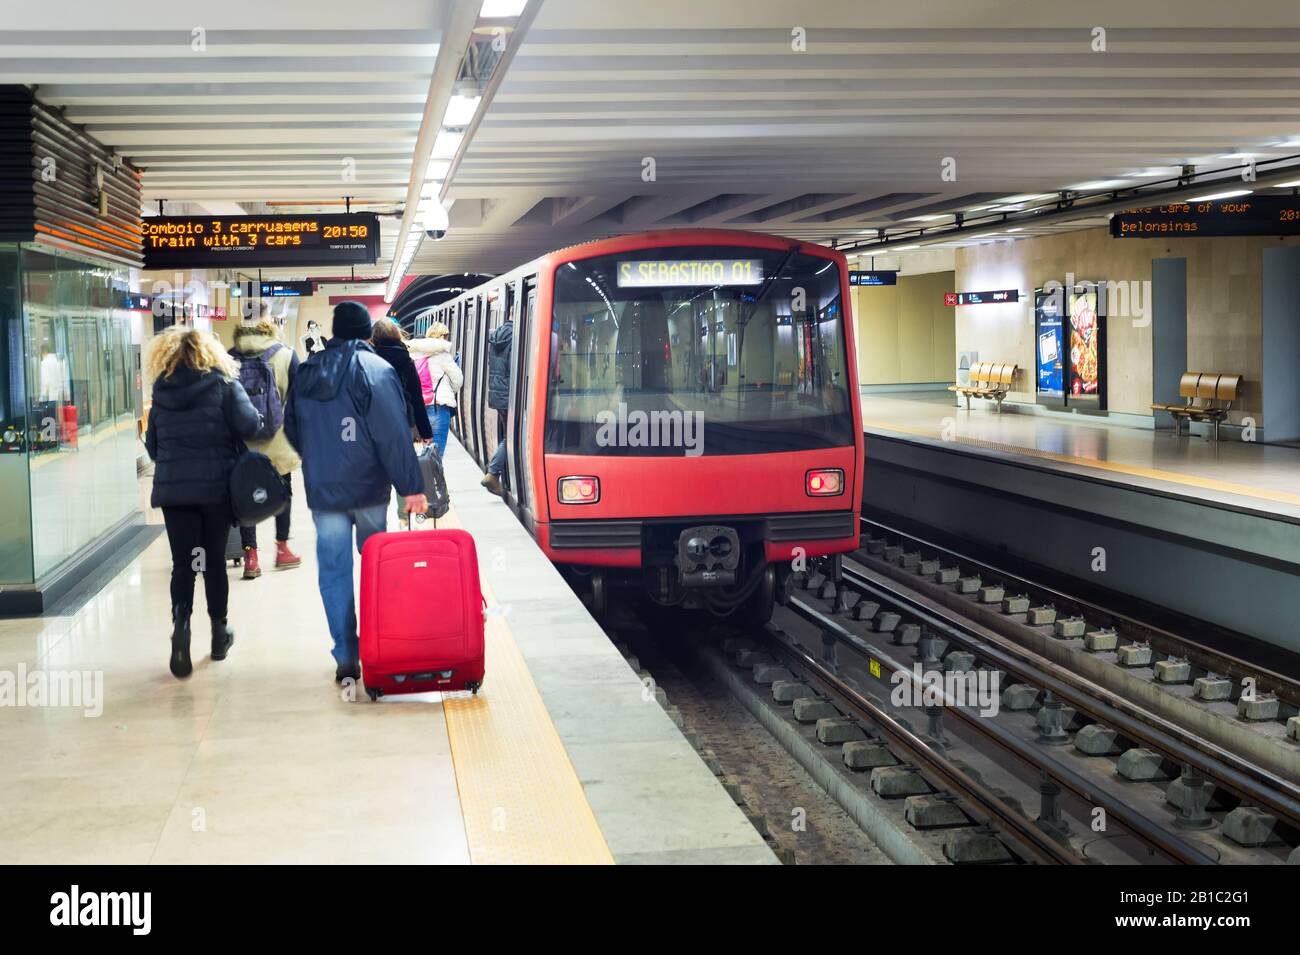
[{"x": 698, "y": 350}]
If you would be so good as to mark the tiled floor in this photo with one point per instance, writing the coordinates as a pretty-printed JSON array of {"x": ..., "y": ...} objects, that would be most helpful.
[
  {"x": 1245, "y": 474},
  {"x": 256, "y": 758}
]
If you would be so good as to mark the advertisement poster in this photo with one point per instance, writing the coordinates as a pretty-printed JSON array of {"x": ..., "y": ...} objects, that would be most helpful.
[
  {"x": 1050, "y": 345},
  {"x": 1085, "y": 340}
]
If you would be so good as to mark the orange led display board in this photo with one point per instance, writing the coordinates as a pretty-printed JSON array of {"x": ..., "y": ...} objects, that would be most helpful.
[{"x": 181, "y": 242}]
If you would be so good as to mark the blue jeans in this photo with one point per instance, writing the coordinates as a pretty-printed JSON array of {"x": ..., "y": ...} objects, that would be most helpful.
[
  {"x": 497, "y": 465},
  {"x": 440, "y": 422},
  {"x": 334, "y": 562}
]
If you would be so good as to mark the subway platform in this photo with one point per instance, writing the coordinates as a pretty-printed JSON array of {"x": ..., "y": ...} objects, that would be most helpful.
[
  {"x": 1207, "y": 530},
  {"x": 561, "y": 758}
]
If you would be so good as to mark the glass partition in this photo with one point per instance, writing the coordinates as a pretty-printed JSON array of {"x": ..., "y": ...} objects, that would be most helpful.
[
  {"x": 80, "y": 434},
  {"x": 15, "y": 514}
]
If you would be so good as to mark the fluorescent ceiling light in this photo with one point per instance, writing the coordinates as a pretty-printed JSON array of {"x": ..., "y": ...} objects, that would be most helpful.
[
  {"x": 502, "y": 8},
  {"x": 445, "y": 146},
  {"x": 1098, "y": 184},
  {"x": 1008, "y": 200},
  {"x": 1161, "y": 172},
  {"x": 925, "y": 218},
  {"x": 1220, "y": 195},
  {"x": 1237, "y": 156},
  {"x": 1018, "y": 228},
  {"x": 1287, "y": 185},
  {"x": 437, "y": 169},
  {"x": 460, "y": 110},
  {"x": 902, "y": 248}
]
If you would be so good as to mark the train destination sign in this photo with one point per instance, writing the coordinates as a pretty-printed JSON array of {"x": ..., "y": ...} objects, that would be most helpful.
[
  {"x": 652, "y": 273},
  {"x": 1241, "y": 215},
  {"x": 267, "y": 240}
]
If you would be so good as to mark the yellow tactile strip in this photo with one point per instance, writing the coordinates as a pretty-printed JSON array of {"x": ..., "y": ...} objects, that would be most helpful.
[
  {"x": 1190, "y": 480},
  {"x": 519, "y": 795}
]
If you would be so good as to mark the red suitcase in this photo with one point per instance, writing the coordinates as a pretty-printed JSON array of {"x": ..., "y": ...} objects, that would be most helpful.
[{"x": 421, "y": 613}]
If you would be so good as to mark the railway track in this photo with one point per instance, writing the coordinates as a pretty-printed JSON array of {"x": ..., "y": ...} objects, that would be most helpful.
[
  {"x": 907, "y": 557},
  {"x": 1109, "y": 779},
  {"x": 955, "y": 729}
]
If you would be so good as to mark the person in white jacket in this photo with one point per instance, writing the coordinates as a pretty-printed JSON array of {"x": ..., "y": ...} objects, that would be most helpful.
[{"x": 440, "y": 379}]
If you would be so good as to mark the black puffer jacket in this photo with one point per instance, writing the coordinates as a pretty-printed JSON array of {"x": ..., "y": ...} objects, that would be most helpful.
[
  {"x": 194, "y": 430},
  {"x": 400, "y": 359}
]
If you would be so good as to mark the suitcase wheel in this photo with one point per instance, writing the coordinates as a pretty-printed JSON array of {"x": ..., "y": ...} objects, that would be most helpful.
[
  {"x": 374, "y": 694},
  {"x": 473, "y": 687}
]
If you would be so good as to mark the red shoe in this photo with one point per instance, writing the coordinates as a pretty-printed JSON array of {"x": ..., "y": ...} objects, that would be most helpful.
[
  {"x": 251, "y": 570},
  {"x": 285, "y": 558}
]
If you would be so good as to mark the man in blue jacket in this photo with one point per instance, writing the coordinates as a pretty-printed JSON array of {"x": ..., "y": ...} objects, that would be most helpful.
[{"x": 346, "y": 415}]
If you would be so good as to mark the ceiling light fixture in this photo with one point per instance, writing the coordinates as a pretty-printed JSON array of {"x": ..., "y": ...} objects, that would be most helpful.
[
  {"x": 460, "y": 110},
  {"x": 1231, "y": 194},
  {"x": 502, "y": 8}
]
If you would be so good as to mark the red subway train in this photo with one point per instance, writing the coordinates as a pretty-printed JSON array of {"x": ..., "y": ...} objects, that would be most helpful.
[{"x": 684, "y": 411}]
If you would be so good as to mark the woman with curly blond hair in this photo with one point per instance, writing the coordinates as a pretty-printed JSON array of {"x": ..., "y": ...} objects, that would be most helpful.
[{"x": 200, "y": 416}]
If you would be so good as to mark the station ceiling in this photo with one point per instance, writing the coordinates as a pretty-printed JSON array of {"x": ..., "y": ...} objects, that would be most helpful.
[{"x": 824, "y": 120}]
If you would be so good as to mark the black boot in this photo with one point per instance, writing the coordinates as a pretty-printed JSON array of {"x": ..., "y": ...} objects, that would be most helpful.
[
  {"x": 180, "y": 659},
  {"x": 223, "y": 638},
  {"x": 347, "y": 671}
]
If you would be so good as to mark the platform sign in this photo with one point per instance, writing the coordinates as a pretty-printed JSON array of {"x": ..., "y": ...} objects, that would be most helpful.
[
  {"x": 998, "y": 297},
  {"x": 184, "y": 242},
  {"x": 1242, "y": 215},
  {"x": 882, "y": 277},
  {"x": 287, "y": 289}
]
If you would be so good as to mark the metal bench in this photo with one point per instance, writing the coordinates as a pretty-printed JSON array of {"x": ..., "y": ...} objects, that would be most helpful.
[
  {"x": 1207, "y": 396},
  {"x": 988, "y": 379}
]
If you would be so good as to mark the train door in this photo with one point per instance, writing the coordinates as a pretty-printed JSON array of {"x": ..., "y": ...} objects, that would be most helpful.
[
  {"x": 524, "y": 360},
  {"x": 470, "y": 368},
  {"x": 505, "y": 310},
  {"x": 456, "y": 313},
  {"x": 485, "y": 425}
]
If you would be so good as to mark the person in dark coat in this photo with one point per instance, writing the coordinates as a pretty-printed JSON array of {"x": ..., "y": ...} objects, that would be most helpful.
[
  {"x": 500, "y": 343},
  {"x": 390, "y": 345},
  {"x": 199, "y": 417},
  {"x": 347, "y": 416}
]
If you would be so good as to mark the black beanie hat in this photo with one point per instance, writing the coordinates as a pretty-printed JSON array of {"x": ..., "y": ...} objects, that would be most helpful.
[{"x": 352, "y": 320}]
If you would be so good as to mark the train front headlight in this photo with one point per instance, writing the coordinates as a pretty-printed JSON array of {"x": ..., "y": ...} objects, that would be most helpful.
[
  {"x": 824, "y": 482},
  {"x": 579, "y": 490}
]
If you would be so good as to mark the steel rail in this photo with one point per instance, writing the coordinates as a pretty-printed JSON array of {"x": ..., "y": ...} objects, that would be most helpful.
[
  {"x": 1155, "y": 836},
  {"x": 1033, "y": 843},
  {"x": 1212, "y": 659}
]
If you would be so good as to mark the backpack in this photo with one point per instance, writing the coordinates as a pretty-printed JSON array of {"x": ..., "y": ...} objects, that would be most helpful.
[
  {"x": 426, "y": 379},
  {"x": 435, "y": 484},
  {"x": 258, "y": 378},
  {"x": 256, "y": 488}
]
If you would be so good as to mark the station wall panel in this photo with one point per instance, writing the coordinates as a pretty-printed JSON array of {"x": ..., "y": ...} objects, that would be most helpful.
[
  {"x": 905, "y": 333},
  {"x": 1224, "y": 307}
]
